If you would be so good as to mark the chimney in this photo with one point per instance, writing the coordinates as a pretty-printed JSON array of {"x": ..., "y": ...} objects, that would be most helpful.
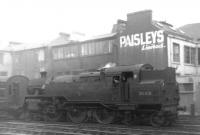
[
  {"x": 65, "y": 35},
  {"x": 144, "y": 16},
  {"x": 119, "y": 27}
]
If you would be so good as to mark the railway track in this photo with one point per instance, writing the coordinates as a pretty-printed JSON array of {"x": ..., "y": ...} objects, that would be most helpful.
[
  {"x": 46, "y": 128},
  {"x": 184, "y": 126}
]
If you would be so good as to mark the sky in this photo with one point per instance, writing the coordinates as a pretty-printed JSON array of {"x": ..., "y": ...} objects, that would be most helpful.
[{"x": 40, "y": 21}]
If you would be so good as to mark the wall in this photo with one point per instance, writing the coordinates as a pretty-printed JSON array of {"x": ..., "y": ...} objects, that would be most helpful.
[
  {"x": 5, "y": 65},
  {"x": 30, "y": 62},
  {"x": 142, "y": 42},
  {"x": 89, "y": 55},
  {"x": 187, "y": 74}
]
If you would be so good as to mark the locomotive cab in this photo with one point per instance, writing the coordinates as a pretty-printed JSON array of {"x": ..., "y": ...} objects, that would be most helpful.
[
  {"x": 125, "y": 76},
  {"x": 148, "y": 91}
]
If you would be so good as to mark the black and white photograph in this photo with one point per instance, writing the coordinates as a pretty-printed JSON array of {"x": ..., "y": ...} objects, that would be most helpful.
[{"x": 99, "y": 67}]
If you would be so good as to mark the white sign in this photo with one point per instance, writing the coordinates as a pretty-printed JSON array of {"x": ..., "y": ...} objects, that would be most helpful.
[{"x": 148, "y": 40}]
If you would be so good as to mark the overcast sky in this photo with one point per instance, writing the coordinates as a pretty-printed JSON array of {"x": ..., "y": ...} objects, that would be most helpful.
[{"x": 34, "y": 21}]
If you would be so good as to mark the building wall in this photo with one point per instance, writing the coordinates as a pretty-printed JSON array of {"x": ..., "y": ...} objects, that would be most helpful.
[
  {"x": 5, "y": 65},
  {"x": 5, "y": 72},
  {"x": 182, "y": 68},
  {"x": 184, "y": 58},
  {"x": 142, "y": 42},
  {"x": 69, "y": 58},
  {"x": 187, "y": 71},
  {"x": 30, "y": 62},
  {"x": 82, "y": 56}
]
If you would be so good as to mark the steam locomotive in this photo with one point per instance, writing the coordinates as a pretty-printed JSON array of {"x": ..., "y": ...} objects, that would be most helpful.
[{"x": 125, "y": 93}]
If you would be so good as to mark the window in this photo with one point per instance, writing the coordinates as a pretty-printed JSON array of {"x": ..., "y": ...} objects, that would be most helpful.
[
  {"x": 93, "y": 51},
  {"x": 98, "y": 49},
  {"x": 198, "y": 56},
  {"x": 1, "y": 58},
  {"x": 70, "y": 51},
  {"x": 90, "y": 49},
  {"x": 58, "y": 53},
  {"x": 116, "y": 80},
  {"x": 3, "y": 73},
  {"x": 16, "y": 58},
  {"x": 55, "y": 53},
  {"x": 110, "y": 46},
  {"x": 189, "y": 55},
  {"x": 40, "y": 55},
  {"x": 176, "y": 52},
  {"x": 185, "y": 86},
  {"x": 105, "y": 47},
  {"x": 193, "y": 54},
  {"x": 95, "y": 48},
  {"x": 84, "y": 49}
]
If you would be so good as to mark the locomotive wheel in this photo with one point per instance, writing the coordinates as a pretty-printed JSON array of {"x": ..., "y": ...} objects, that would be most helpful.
[
  {"x": 167, "y": 123},
  {"x": 128, "y": 118},
  {"x": 104, "y": 116},
  {"x": 157, "y": 119},
  {"x": 52, "y": 114},
  {"x": 77, "y": 115},
  {"x": 25, "y": 115}
]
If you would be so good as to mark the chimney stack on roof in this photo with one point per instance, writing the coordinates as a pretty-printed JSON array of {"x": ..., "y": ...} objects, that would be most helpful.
[
  {"x": 65, "y": 35},
  {"x": 144, "y": 16}
]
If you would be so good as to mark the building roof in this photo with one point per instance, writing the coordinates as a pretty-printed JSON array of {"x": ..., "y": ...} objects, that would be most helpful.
[
  {"x": 63, "y": 39},
  {"x": 168, "y": 28},
  {"x": 110, "y": 35},
  {"x": 25, "y": 46},
  {"x": 192, "y": 29},
  {"x": 100, "y": 37}
]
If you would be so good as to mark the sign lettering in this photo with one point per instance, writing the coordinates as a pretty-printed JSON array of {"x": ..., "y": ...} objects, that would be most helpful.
[{"x": 148, "y": 40}]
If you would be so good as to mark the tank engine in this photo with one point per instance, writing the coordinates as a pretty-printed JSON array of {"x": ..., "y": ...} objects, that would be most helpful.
[{"x": 123, "y": 92}]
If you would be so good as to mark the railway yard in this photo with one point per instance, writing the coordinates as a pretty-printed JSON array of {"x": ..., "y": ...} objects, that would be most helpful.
[{"x": 185, "y": 126}]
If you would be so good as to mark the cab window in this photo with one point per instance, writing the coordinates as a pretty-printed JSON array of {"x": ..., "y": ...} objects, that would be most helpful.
[
  {"x": 116, "y": 80},
  {"x": 126, "y": 76}
]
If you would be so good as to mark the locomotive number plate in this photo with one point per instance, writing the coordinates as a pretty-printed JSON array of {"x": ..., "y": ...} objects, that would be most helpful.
[{"x": 145, "y": 93}]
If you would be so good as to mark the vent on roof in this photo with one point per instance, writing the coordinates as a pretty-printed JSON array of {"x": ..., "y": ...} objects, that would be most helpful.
[
  {"x": 121, "y": 21},
  {"x": 173, "y": 28},
  {"x": 160, "y": 24},
  {"x": 182, "y": 31},
  {"x": 165, "y": 23}
]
